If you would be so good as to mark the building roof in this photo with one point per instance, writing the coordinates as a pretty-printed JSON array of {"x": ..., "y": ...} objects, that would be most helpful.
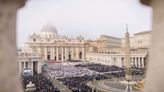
[
  {"x": 107, "y": 36},
  {"x": 143, "y": 32}
]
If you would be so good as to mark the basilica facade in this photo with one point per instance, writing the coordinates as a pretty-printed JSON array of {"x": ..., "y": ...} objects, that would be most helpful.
[{"x": 54, "y": 47}]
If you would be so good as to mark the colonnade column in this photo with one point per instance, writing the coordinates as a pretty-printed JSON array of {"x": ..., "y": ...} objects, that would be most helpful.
[
  {"x": 135, "y": 62},
  {"x": 39, "y": 67},
  {"x": 29, "y": 64},
  {"x": 32, "y": 67},
  {"x": 142, "y": 62},
  {"x": 62, "y": 54},
  {"x": 122, "y": 61},
  {"x": 53, "y": 53},
  {"x": 9, "y": 77},
  {"x": 57, "y": 54},
  {"x": 83, "y": 53},
  {"x": 20, "y": 68},
  {"x": 139, "y": 62},
  {"x": 50, "y": 53},
  {"x": 24, "y": 65},
  {"x": 77, "y": 53},
  {"x": 66, "y": 54},
  {"x": 72, "y": 53}
]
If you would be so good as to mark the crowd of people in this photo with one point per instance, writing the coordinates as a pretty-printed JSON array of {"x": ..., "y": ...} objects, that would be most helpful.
[
  {"x": 75, "y": 77},
  {"x": 114, "y": 70},
  {"x": 42, "y": 84},
  {"x": 100, "y": 68},
  {"x": 62, "y": 71},
  {"x": 138, "y": 71},
  {"x": 79, "y": 84}
]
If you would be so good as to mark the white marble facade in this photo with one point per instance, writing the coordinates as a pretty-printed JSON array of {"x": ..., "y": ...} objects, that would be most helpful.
[
  {"x": 138, "y": 58},
  {"x": 54, "y": 47}
]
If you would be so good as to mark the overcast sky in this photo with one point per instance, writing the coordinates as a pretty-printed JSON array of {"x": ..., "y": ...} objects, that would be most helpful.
[{"x": 89, "y": 18}]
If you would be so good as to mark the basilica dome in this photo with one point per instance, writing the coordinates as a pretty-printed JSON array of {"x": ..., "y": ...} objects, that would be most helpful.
[{"x": 48, "y": 31}]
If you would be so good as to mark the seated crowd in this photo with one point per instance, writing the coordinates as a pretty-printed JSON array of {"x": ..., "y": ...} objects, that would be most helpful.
[
  {"x": 62, "y": 71},
  {"x": 42, "y": 84},
  {"x": 111, "y": 69},
  {"x": 100, "y": 68}
]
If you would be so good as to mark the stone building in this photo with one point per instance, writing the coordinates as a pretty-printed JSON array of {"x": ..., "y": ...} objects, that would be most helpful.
[
  {"x": 27, "y": 59},
  {"x": 115, "y": 55},
  {"x": 52, "y": 46},
  {"x": 106, "y": 41},
  {"x": 139, "y": 40}
]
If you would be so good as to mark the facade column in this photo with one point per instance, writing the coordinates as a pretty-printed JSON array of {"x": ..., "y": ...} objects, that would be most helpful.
[
  {"x": 139, "y": 62},
  {"x": 122, "y": 61},
  {"x": 20, "y": 68},
  {"x": 143, "y": 62},
  {"x": 135, "y": 61},
  {"x": 77, "y": 53},
  {"x": 83, "y": 54},
  {"x": 9, "y": 78},
  {"x": 39, "y": 67},
  {"x": 62, "y": 54},
  {"x": 45, "y": 53},
  {"x": 28, "y": 64},
  {"x": 57, "y": 54},
  {"x": 24, "y": 65},
  {"x": 66, "y": 53},
  {"x": 53, "y": 53},
  {"x": 132, "y": 60},
  {"x": 72, "y": 53},
  {"x": 32, "y": 67}
]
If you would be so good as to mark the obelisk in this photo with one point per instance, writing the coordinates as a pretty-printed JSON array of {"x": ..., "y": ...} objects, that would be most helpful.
[
  {"x": 127, "y": 55},
  {"x": 128, "y": 75}
]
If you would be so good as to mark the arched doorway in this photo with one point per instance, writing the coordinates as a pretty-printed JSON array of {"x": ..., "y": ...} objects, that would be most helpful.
[
  {"x": 69, "y": 56},
  {"x": 55, "y": 58},
  {"x": 59, "y": 56},
  {"x": 48, "y": 56}
]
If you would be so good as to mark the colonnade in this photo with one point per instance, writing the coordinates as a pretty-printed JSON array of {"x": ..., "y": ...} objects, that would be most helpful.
[
  {"x": 63, "y": 53},
  {"x": 138, "y": 61},
  {"x": 33, "y": 65}
]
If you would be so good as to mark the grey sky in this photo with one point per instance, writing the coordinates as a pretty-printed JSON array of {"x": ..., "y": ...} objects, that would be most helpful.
[{"x": 89, "y": 18}]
